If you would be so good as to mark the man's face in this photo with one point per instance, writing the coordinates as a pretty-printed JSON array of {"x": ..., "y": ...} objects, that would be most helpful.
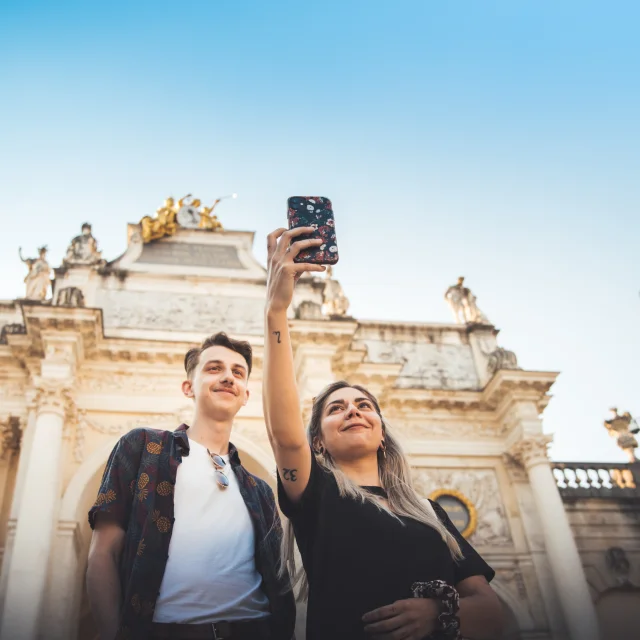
[{"x": 219, "y": 383}]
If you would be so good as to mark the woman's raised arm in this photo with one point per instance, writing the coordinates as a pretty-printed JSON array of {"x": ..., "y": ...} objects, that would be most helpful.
[{"x": 280, "y": 397}]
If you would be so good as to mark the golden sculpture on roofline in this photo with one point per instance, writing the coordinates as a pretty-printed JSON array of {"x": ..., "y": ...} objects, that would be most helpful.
[
  {"x": 185, "y": 213},
  {"x": 163, "y": 224}
]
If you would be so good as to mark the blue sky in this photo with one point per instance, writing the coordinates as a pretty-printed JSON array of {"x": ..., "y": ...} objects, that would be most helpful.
[{"x": 495, "y": 140}]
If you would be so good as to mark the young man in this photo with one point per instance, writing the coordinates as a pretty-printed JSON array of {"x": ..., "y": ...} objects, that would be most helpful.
[{"x": 186, "y": 542}]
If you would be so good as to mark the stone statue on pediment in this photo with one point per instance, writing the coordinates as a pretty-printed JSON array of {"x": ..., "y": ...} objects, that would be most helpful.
[
  {"x": 335, "y": 302},
  {"x": 463, "y": 304},
  {"x": 83, "y": 249},
  {"x": 39, "y": 277},
  {"x": 622, "y": 427}
]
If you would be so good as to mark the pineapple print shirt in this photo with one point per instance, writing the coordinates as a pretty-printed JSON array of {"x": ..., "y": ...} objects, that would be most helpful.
[{"x": 137, "y": 492}]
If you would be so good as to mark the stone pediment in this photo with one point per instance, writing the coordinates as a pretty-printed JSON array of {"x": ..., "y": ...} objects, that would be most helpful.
[
  {"x": 226, "y": 254},
  {"x": 183, "y": 286}
]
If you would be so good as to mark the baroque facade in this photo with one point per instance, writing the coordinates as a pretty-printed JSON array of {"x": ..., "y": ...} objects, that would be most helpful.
[{"x": 102, "y": 354}]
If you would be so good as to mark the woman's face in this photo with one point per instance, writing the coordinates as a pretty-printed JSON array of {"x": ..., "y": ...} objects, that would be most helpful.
[{"x": 351, "y": 427}]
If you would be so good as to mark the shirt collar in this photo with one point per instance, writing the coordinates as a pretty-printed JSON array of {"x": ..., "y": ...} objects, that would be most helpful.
[{"x": 180, "y": 435}]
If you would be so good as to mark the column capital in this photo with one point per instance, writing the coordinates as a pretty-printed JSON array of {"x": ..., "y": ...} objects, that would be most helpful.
[
  {"x": 531, "y": 450},
  {"x": 52, "y": 397}
]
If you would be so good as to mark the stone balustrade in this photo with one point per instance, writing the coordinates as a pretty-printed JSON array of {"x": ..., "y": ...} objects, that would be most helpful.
[{"x": 597, "y": 479}]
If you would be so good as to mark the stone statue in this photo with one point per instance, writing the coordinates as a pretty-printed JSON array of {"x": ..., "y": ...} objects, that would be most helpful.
[
  {"x": 463, "y": 304},
  {"x": 83, "y": 249},
  {"x": 620, "y": 428},
  {"x": 39, "y": 277},
  {"x": 335, "y": 303},
  {"x": 501, "y": 358}
]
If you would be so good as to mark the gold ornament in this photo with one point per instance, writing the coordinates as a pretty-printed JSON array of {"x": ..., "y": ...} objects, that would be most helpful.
[
  {"x": 209, "y": 221},
  {"x": 468, "y": 505},
  {"x": 163, "y": 224}
]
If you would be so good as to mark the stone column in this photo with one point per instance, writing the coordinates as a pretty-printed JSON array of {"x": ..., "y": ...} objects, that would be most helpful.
[
  {"x": 66, "y": 583},
  {"x": 566, "y": 566},
  {"x": 23, "y": 463},
  {"x": 36, "y": 518}
]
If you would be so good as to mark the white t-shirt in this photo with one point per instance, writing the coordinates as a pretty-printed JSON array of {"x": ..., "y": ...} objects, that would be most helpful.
[{"x": 211, "y": 573}]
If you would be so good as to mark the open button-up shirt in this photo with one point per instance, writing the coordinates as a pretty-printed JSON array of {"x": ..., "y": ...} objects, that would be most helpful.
[{"x": 137, "y": 493}]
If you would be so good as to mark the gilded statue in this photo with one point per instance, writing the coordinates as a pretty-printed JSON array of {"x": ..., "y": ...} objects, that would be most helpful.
[
  {"x": 163, "y": 224},
  {"x": 463, "y": 304},
  {"x": 186, "y": 213},
  {"x": 39, "y": 277},
  {"x": 188, "y": 202},
  {"x": 209, "y": 221}
]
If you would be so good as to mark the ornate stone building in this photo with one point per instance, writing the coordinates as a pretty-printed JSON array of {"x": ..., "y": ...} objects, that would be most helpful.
[{"x": 103, "y": 354}]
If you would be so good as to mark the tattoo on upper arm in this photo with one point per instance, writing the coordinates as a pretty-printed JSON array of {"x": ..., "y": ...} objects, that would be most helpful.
[
  {"x": 290, "y": 474},
  {"x": 277, "y": 334}
]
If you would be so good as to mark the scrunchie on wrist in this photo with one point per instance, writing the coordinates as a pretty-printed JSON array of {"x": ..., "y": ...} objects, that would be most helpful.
[{"x": 448, "y": 620}]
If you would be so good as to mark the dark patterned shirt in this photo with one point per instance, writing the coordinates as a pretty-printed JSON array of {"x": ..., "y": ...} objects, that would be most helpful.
[{"x": 137, "y": 493}]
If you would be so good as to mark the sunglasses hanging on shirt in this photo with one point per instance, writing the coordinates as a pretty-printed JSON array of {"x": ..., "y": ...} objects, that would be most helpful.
[{"x": 219, "y": 464}]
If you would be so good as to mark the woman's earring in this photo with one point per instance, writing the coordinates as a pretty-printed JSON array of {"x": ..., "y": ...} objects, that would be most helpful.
[{"x": 383, "y": 448}]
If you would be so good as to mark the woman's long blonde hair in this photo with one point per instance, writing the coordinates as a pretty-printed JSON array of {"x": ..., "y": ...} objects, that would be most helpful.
[{"x": 395, "y": 478}]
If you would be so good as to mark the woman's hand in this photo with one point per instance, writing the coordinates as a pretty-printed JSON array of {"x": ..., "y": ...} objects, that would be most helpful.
[
  {"x": 282, "y": 271},
  {"x": 412, "y": 619}
]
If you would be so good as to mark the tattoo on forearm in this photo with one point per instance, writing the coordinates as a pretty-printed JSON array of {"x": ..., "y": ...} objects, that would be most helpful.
[
  {"x": 277, "y": 335},
  {"x": 290, "y": 474}
]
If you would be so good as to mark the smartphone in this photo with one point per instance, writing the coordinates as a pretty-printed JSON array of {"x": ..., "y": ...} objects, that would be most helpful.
[{"x": 317, "y": 212}]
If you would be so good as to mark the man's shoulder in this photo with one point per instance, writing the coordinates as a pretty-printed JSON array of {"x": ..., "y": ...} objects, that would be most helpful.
[{"x": 142, "y": 436}]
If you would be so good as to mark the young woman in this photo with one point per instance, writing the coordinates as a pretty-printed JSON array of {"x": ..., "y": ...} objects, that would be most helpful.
[{"x": 380, "y": 562}]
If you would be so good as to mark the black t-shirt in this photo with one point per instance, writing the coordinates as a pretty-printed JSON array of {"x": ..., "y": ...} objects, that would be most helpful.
[{"x": 358, "y": 557}]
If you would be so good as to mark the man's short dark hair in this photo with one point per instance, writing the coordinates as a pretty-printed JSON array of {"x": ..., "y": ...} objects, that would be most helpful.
[{"x": 219, "y": 339}]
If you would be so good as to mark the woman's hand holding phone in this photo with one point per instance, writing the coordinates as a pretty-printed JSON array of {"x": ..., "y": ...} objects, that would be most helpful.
[
  {"x": 282, "y": 269},
  {"x": 316, "y": 213}
]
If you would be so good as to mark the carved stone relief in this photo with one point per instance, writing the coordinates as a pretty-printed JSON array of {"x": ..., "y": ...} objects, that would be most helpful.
[
  {"x": 426, "y": 366},
  {"x": 513, "y": 580},
  {"x": 481, "y": 487},
  {"x": 175, "y": 311}
]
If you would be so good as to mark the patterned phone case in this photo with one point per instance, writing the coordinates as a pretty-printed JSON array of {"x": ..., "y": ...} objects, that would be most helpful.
[{"x": 313, "y": 211}]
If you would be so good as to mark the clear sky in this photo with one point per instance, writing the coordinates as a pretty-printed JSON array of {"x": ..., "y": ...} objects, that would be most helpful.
[{"x": 495, "y": 140}]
